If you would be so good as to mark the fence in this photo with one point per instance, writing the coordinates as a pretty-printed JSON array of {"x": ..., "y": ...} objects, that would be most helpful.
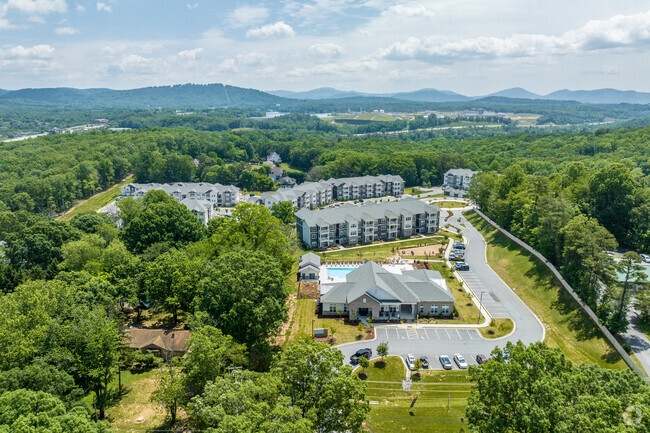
[{"x": 628, "y": 360}]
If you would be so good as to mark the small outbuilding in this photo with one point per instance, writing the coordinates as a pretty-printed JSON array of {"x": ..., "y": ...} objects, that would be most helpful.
[{"x": 309, "y": 267}]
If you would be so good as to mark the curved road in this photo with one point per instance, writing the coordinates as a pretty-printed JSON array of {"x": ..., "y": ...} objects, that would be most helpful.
[{"x": 497, "y": 298}]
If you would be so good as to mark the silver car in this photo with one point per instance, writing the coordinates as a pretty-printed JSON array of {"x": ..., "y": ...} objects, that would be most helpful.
[
  {"x": 460, "y": 361},
  {"x": 410, "y": 362}
]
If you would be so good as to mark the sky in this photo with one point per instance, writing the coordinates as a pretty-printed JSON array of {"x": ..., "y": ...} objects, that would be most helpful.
[{"x": 473, "y": 47}]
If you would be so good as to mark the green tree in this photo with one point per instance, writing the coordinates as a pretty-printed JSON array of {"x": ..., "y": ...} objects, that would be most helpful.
[
  {"x": 209, "y": 354},
  {"x": 172, "y": 280},
  {"x": 88, "y": 221},
  {"x": 247, "y": 402},
  {"x": 244, "y": 294},
  {"x": 631, "y": 275},
  {"x": 318, "y": 383},
  {"x": 382, "y": 349},
  {"x": 584, "y": 258},
  {"x": 37, "y": 411},
  {"x": 40, "y": 376},
  {"x": 82, "y": 254},
  {"x": 171, "y": 392},
  {"x": 253, "y": 227},
  {"x": 284, "y": 211},
  {"x": 539, "y": 391},
  {"x": 22, "y": 201},
  {"x": 158, "y": 218}
]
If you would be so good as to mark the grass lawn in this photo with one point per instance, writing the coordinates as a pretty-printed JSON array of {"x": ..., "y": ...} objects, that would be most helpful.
[
  {"x": 394, "y": 371},
  {"x": 301, "y": 324},
  {"x": 380, "y": 251},
  {"x": 134, "y": 409},
  {"x": 450, "y": 204},
  {"x": 567, "y": 326},
  {"x": 467, "y": 313},
  {"x": 498, "y": 328},
  {"x": 97, "y": 201},
  {"x": 645, "y": 328},
  {"x": 413, "y": 191},
  {"x": 442, "y": 397}
]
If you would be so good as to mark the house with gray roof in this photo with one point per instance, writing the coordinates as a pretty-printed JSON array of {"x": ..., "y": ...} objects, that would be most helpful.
[
  {"x": 309, "y": 267},
  {"x": 458, "y": 178},
  {"x": 351, "y": 224},
  {"x": 372, "y": 291}
]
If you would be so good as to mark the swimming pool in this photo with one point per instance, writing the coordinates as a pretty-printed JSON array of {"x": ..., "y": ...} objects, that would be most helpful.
[{"x": 339, "y": 272}]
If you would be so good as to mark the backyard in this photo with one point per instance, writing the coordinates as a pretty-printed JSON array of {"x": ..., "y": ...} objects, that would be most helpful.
[{"x": 567, "y": 326}]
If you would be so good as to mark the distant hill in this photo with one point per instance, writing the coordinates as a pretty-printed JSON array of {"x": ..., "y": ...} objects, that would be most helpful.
[
  {"x": 517, "y": 93},
  {"x": 186, "y": 95},
  {"x": 320, "y": 93},
  {"x": 601, "y": 96},
  {"x": 430, "y": 95}
]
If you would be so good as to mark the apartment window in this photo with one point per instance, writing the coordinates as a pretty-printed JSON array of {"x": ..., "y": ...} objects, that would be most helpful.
[
  {"x": 332, "y": 308},
  {"x": 434, "y": 309},
  {"x": 421, "y": 309},
  {"x": 408, "y": 218},
  {"x": 445, "y": 309}
]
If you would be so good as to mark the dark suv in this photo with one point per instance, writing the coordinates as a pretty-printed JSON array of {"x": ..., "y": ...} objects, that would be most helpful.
[
  {"x": 367, "y": 353},
  {"x": 459, "y": 245}
]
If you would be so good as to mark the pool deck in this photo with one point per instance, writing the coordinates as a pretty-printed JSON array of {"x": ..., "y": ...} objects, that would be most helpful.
[{"x": 327, "y": 281}]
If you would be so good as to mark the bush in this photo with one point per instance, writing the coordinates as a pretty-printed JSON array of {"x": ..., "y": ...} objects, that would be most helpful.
[
  {"x": 380, "y": 364},
  {"x": 491, "y": 332},
  {"x": 627, "y": 348},
  {"x": 363, "y": 375},
  {"x": 363, "y": 362},
  {"x": 359, "y": 336},
  {"x": 415, "y": 377},
  {"x": 146, "y": 361}
]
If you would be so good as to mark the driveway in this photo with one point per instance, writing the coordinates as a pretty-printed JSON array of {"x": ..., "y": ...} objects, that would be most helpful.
[{"x": 497, "y": 297}]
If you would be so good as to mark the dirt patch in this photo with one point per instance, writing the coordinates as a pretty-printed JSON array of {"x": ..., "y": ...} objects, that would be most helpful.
[
  {"x": 309, "y": 290},
  {"x": 428, "y": 250},
  {"x": 285, "y": 326}
]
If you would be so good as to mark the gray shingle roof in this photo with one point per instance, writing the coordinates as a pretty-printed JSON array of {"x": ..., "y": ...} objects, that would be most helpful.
[
  {"x": 364, "y": 180},
  {"x": 367, "y": 210},
  {"x": 309, "y": 259},
  {"x": 410, "y": 287},
  {"x": 461, "y": 172}
]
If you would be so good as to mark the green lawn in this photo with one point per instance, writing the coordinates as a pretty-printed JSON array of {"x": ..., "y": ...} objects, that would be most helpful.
[
  {"x": 302, "y": 323},
  {"x": 394, "y": 371},
  {"x": 449, "y": 204},
  {"x": 379, "y": 251},
  {"x": 567, "y": 326},
  {"x": 498, "y": 328},
  {"x": 442, "y": 397},
  {"x": 645, "y": 328},
  {"x": 97, "y": 201}
]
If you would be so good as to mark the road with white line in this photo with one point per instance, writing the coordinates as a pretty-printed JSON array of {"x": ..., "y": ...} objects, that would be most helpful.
[{"x": 497, "y": 297}]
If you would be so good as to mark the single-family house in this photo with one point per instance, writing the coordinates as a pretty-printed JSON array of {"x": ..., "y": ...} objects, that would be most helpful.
[{"x": 163, "y": 342}]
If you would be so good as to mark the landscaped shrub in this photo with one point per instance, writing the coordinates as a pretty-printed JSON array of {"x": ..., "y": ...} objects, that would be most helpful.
[
  {"x": 380, "y": 364},
  {"x": 363, "y": 376},
  {"x": 146, "y": 361},
  {"x": 415, "y": 377},
  {"x": 364, "y": 362},
  {"x": 359, "y": 336},
  {"x": 491, "y": 332}
]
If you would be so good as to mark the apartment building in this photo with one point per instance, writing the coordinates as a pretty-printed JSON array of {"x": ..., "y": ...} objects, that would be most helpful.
[
  {"x": 459, "y": 178},
  {"x": 217, "y": 194},
  {"x": 350, "y": 225}
]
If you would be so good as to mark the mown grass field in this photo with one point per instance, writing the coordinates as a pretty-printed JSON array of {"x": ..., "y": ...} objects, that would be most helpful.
[
  {"x": 567, "y": 326},
  {"x": 498, "y": 328},
  {"x": 440, "y": 406},
  {"x": 449, "y": 204},
  {"x": 97, "y": 201}
]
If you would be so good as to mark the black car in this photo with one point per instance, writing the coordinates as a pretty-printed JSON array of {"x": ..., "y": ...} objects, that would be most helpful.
[
  {"x": 480, "y": 359},
  {"x": 425, "y": 361},
  {"x": 367, "y": 353},
  {"x": 459, "y": 245}
]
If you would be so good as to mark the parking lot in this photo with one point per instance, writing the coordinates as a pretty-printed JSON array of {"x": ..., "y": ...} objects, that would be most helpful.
[
  {"x": 443, "y": 334},
  {"x": 486, "y": 295}
]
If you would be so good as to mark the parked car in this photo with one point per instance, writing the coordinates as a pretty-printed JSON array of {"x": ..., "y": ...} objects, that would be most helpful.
[
  {"x": 425, "y": 361},
  {"x": 410, "y": 362},
  {"x": 459, "y": 245},
  {"x": 645, "y": 258},
  {"x": 480, "y": 359},
  {"x": 462, "y": 266},
  {"x": 460, "y": 361},
  {"x": 455, "y": 257},
  {"x": 445, "y": 362},
  {"x": 367, "y": 353},
  {"x": 459, "y": 252}
]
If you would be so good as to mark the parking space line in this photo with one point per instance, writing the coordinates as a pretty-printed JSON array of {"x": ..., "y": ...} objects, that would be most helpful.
[
  {"x": 459, "y": 334},
  {"x": 449, "y": 336},
  {"x": 437, "y": 335},
  {"x": 469, "y": 334}
]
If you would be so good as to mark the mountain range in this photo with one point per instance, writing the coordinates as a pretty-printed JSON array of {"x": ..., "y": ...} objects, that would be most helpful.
[
  {"x": 220, "y": 95},
  {"x": 599, "y": 96}
]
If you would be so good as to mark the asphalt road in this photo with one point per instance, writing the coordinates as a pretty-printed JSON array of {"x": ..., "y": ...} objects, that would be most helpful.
[
  {"x": 638, "y": 341},
  {"x": 498, "y": 299}
]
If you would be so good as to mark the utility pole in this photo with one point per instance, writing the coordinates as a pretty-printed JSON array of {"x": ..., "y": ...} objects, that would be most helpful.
[{"x": 312, "y": 328}]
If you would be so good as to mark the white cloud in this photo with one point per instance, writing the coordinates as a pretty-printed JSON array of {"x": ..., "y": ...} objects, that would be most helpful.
[
  {"x": 36, "y": 52},
  {"x": 192, "y": 6},
  {"x": 617, "y": 32},
  {"x": 247, "y": 15},
  {"x": 37, "y": 6},
  {"x": 104, "y": 7},
  {"x": 417, "y": 74},
  {"x": 279, "y": 29},
  {"x": 66, "y": 31},
  {"x": 80, "y": 8},
  {"x": 342, "y": 68},
  {"x": 418, "y": 11},
  {"x": 227, "y": 65},
  {"x": 135, "y": 63},
  {"x": 189, "y": 55},
  {"x": 327, "y": 49},
  {"x": 36, "y": 19},
  {"x": 251, "y": 59}
]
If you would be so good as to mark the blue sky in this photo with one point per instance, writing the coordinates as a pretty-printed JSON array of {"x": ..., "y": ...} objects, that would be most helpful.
[{"x": 470, "y": 46}]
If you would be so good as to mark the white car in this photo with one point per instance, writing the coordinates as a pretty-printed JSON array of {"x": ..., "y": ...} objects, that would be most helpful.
[
  {"x": 645, "y": 258},
  {"x": 410, "y": 361},
  {"x": 460, "y": 361}
]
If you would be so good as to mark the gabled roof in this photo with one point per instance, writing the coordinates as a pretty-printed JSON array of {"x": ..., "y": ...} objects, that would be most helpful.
[
  {"x": 409, "y": 287},
  {"x": 158, "y": 339},
  {"x": 366, "y": 211},
  {"x": 461, "y": 172},
  {"x": 309, "y": 259}
]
